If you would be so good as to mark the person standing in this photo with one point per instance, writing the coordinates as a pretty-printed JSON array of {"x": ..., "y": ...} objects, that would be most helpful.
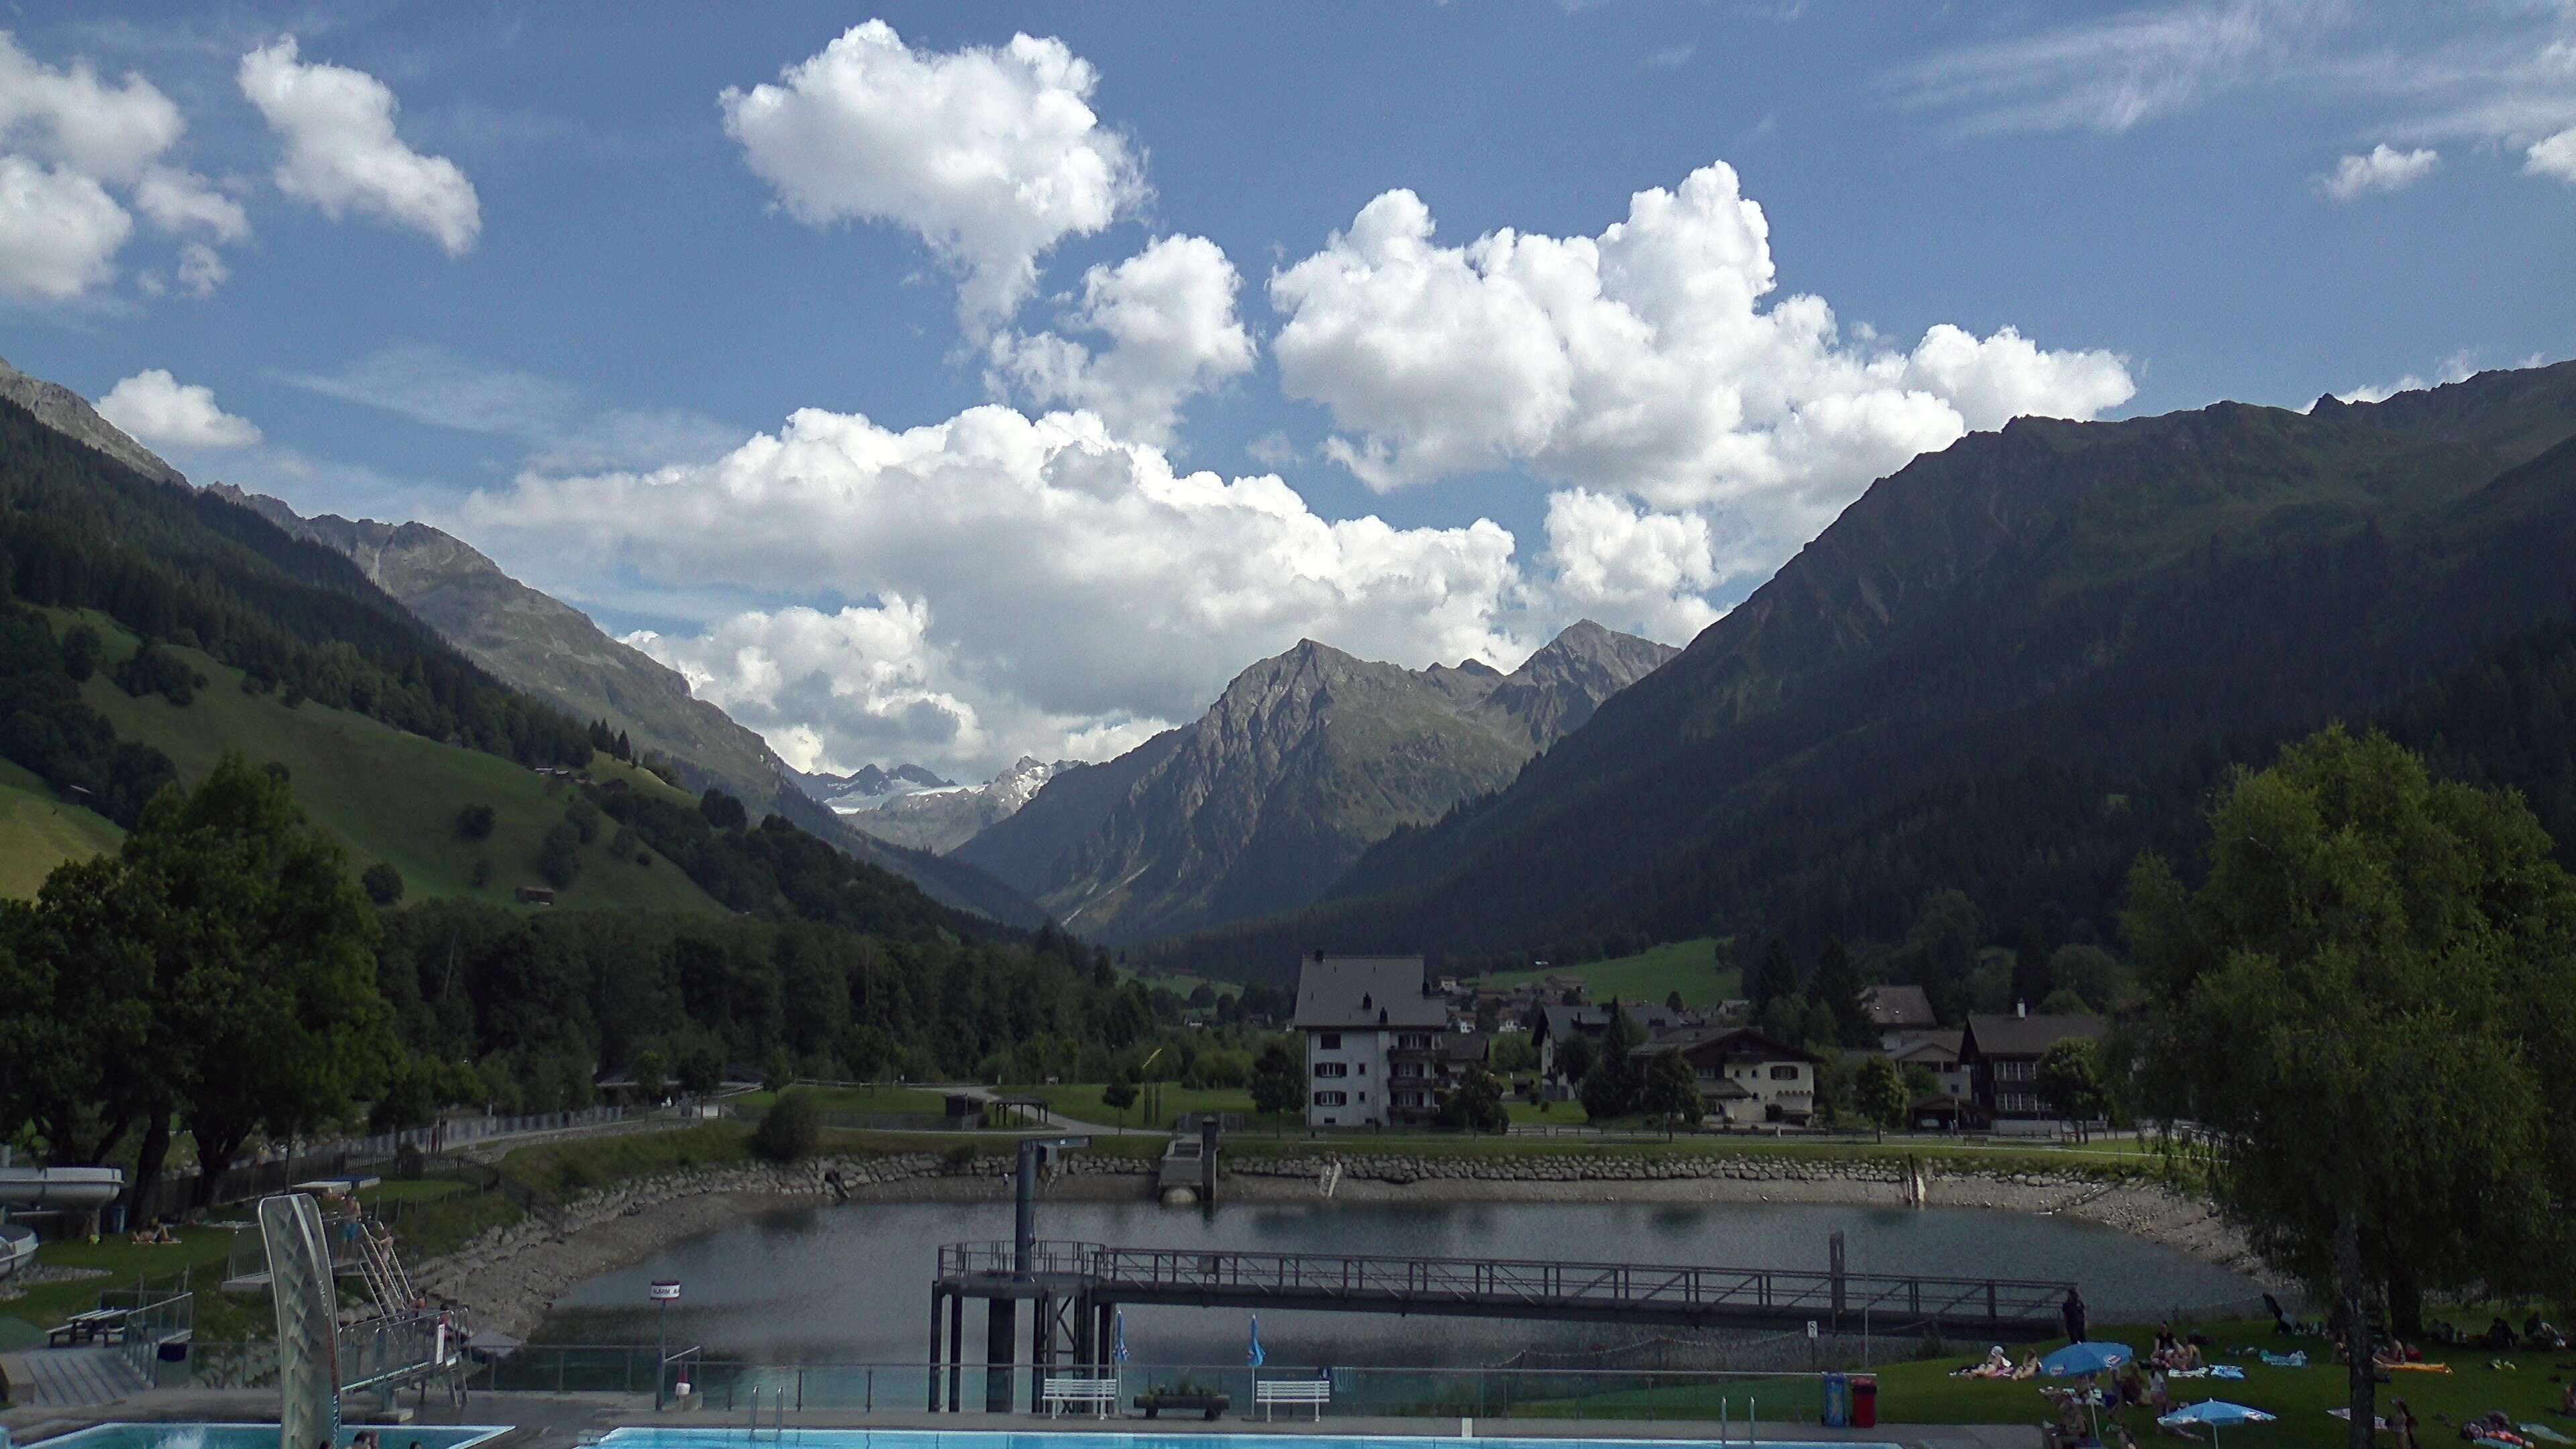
[{"x": 2071, "y": 1313}]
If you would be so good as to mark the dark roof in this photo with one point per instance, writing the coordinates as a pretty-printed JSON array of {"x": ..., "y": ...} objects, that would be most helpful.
[
  {"x": 1896, "y": 1006},
  {"x": 1726, "y": 1041},
  {"x": 1465, "y": 1046},
  {"x": 1914, "y": 1043},
  {"x": 1366, "y": 993},
  {"x": 1559, "y": 1020},
  {"x": 2026, "y": 1036}
]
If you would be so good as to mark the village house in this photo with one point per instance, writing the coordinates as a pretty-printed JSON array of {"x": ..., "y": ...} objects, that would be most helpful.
[
  {"x": 1935, "y": 1051},
  {"x": 1375, "y": 1031},
  {"x": 2002, "y": 1056},
  {"x": 1744, "y": 1076},
  {"x": 1555, "y": 1024},
  {"x": 1895, "y": 1011}
]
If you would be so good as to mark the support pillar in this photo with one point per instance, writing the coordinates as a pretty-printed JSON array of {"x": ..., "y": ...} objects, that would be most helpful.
[
  {"x": 1001, "y": 1353},
  {"x": 1835, "y": 1252},
  {"x": 937, "y": 1297},
  {"x": 956, "y": 1353}
]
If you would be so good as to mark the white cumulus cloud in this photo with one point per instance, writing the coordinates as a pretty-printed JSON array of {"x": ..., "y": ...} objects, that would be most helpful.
[
  {"x": 2553, "y": 156},
  {"x": 68, "y": 142},
  {"x": 2383, "y": 169},
  {"x": 1021, "y": 581},
  {"x": 1631, "y": 568},
  {"x": 164, "y": 412},
  {"x": 1646, "y": 360},
  {"x": 991, "y": 155},
  {"x": 59, "y": 231},
  {"x": 1168, "y": 313},
  {"x": 343, "y": 154}
]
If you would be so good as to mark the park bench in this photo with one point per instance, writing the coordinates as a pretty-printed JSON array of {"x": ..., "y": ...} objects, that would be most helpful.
[
  {"x": 1059, "y": 1392},
  {"x": 1269, "y": 1393}
]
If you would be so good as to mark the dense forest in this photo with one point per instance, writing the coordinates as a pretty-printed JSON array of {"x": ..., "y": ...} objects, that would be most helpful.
[{"x": 78, "y": 530}]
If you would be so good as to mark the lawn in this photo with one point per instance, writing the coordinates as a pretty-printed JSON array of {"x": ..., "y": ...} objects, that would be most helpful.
[
  {"x": 391, "y": 796},
  {"x": 855, "y": 1101},
  {"x": 1084, "y": 1103},
  {"x": 39, "y": 832},
  {"x": 1688, "y": 967},
  {"x": 1924, "y": 1393}
]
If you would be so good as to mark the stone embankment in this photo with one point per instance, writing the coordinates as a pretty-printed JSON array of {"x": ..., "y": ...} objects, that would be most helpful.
[{"x": 511, "y": 1275}]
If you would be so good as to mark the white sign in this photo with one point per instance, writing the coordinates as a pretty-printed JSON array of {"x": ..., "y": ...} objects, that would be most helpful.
[
  {"x": 1811, "y": 1323},
  {"x": 667, "y": 1290}
]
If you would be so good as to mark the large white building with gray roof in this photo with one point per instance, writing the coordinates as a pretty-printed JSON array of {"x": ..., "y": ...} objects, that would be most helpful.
[{"x": 1373, "y": 1050}]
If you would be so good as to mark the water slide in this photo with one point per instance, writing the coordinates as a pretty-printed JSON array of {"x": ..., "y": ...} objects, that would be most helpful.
[{"x": 49, "y": 1189}]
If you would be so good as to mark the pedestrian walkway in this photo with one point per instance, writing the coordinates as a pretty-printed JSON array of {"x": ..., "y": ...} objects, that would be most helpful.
[{"x": 71, "y": 1378}]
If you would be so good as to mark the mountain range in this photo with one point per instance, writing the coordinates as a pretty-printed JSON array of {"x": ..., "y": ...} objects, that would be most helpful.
[
  {"x": 1304, "y": 761},
  {"x": 2007, "y": 668},
  {"x": 945, "y": 816}
]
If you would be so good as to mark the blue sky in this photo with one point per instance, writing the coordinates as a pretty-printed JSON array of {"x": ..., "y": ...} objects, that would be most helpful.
[{"x": 1138, "y": 349}]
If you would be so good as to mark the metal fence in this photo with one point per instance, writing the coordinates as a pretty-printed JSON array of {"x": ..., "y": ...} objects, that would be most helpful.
[{"x": 778, "y": 1393}]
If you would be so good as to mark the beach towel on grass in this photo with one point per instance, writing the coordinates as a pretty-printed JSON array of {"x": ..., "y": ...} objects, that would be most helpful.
[
  {"x": 2296, "y": 1359},
  {"x": 2543, "y": 1431},
  {"x": 2225, "y": 1371},
  {"x": 2417, "y": 1368}
]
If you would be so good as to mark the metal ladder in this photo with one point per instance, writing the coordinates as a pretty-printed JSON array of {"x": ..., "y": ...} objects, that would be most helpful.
[{"x": 386, "y": 1278}]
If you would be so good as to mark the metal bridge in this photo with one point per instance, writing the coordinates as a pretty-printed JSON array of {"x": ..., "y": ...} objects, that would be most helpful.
[{"x": 1076, "y": 1286}]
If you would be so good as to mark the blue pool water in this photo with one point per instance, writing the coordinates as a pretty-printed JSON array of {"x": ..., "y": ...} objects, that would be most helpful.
[
  {"x": 261, "y": 1436},
  {"x": 944, "y": 1440},
  {"x": 940, "y": 1439}
]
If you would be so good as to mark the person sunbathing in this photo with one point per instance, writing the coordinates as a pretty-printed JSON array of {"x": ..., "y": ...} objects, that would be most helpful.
[
  {"x": 2029, "y": 1368},
  {"x": 2392, "y": 1354},
  {"x": 2539, "y": 1332},
  {"x": 1998, "y": 1365}
]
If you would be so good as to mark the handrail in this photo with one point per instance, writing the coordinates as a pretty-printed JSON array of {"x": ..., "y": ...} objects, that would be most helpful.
[{"x": 1327, "y": 1271}]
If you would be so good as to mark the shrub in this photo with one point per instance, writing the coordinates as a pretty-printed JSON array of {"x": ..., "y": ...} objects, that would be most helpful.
[
  {"x": 789, "y": 1130},
  {"x": 584, "y": 819},
  {"x": 558, "y": 856},
  {"x": 80, "y": 652},
  {"x": 475, "y": 822},
  {"x": 481, "y": 875},
  {"x": 383, "y": 883}
]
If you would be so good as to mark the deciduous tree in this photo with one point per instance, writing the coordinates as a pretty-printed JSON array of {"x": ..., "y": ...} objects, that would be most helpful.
[{"x": 2368, "y": 1001}]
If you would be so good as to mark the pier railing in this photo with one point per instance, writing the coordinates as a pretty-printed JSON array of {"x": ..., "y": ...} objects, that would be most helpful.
[{"x": 1326, "y": 1280}]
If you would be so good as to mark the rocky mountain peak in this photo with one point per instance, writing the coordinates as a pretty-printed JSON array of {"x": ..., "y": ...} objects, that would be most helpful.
[{"x": 70, "y": 414}]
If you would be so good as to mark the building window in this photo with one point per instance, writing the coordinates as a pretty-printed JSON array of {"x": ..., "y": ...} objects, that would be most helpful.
[
  {"x": 1363, "y": 1099},
  {"x": 1330, "y": 1041},
  {"x": 1363, "y": 1069},
  {"x": 1332, "y": 1069},
  {"x": 1413, "y": 1042},
  {"x": 1331, "y": 1099},
  {"x": 1784, "y": 1072}
]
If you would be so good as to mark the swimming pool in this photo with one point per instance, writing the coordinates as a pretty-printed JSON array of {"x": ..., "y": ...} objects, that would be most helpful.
[
  {"x": 262, "y": 1436},
  {"x": 941, "y": 1439}
]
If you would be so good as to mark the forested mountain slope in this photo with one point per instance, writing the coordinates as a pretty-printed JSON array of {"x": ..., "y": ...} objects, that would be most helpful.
[
  {"x": 552, "y": 651},
  {"x": 1302, "y": 762},
  {"x": 2004, "y": 668}
]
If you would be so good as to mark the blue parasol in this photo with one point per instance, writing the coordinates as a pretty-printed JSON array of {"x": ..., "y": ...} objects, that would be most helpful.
[
  {"x": 1118, "y": 1338},
  {"x": 2089, "y": 1357},
  {"x": 1253, "y": 1355},
  {"x": 2213, "y": 1412}
]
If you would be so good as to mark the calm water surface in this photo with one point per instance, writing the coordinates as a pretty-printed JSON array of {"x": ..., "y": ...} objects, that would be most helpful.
[{"x": 852, "y": 1284}]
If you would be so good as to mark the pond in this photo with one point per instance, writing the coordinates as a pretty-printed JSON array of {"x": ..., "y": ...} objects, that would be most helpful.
[{"x": 852, "y": 1284}]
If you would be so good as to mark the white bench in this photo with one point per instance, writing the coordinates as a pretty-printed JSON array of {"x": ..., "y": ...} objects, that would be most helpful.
[
  {"x": 1269, "y": 1393},
  {"x": 1057, "y": 1394}
]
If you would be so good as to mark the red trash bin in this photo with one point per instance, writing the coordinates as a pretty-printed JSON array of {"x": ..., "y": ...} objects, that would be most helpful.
[{"x": 1864, "y": 1392}]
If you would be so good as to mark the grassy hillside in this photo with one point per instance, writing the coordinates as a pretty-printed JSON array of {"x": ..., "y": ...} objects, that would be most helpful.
[
  {"x": 387, "y": 795},
  {"x": 1650, "y": 975},
  {"x": 39, "y": 832}
]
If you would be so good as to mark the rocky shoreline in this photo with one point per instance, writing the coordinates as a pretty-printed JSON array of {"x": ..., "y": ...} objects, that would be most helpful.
[{"x": 510, "y": 1276}]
